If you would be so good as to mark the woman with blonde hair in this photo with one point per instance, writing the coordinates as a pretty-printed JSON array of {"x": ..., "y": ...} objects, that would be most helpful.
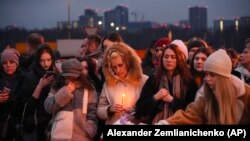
[
  {"x": 223, "y": 98},
  {"x": 123, "y": 82}
]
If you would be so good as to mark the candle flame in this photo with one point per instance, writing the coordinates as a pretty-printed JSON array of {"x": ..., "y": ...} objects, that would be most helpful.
[{"x": 123, "y": 95}]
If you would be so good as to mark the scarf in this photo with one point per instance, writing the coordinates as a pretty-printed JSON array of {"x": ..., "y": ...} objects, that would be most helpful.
[
  {"x": 177, "y": 92},
  {"x": 8, "y": 81}
]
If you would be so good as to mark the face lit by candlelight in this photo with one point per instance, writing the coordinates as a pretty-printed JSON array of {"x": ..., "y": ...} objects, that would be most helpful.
[{"x": 118, "y": 65}]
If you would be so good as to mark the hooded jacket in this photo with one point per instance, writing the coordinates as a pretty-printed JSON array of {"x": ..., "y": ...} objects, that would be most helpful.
[{"x": 116, "y": 90}]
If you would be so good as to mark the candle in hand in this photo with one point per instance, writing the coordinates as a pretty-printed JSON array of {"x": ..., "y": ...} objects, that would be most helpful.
[{"x": 123, "y": 95}]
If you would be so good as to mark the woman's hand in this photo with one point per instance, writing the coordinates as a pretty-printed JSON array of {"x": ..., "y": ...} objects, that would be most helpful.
[
  {"x": 116, "y": 108},
  {"x": 71, "y": 86},
  {"x": 129, "y": 109},
  {"x": 168, "y": 98},
  {"x": 45, "y": 80},
  {"x": 161, "y": 94},
  {"x": 4, "y": 96}
]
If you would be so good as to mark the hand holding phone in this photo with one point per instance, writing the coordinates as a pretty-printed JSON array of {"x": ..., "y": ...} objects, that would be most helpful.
[
  {"x": 4, "y": 94},
  {"x": 50, "y": 73}
]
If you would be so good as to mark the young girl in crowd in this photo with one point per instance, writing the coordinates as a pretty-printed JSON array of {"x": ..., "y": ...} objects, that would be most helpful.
[
  {"x": 73, "y": 101},
  {"x": 197, "y": 68},
  {"x": 35, "y": 89}
]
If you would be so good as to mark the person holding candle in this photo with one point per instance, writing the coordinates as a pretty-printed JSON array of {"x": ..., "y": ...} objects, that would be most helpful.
[{"x": 124, "y": 81}]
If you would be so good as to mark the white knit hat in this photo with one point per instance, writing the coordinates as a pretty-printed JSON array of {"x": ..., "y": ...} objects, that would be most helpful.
[
  {"x": 219, "y": 62},
  {"x": 182, "y": 47}
]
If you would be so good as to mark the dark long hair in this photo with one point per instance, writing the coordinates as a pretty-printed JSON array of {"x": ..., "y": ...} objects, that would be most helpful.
[
  {"x": 181, "y": 66},
  {"x": 196, "y": 42},
  {"x": 42, "y": 49},
  {"x": 112, "y": 36}
]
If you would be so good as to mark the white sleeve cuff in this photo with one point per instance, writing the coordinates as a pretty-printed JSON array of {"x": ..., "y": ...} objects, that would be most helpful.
[{"x": 162, "y": 122}]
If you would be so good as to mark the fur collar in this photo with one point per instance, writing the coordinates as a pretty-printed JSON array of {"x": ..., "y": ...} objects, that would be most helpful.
[{"x": 132, "y": 59}]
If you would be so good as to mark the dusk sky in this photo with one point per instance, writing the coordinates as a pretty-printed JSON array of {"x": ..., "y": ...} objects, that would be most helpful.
[{"x": 40, "y": 14}]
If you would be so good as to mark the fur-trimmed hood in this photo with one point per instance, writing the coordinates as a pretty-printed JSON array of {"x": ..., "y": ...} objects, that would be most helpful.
[{"x": 131, "y": 59}]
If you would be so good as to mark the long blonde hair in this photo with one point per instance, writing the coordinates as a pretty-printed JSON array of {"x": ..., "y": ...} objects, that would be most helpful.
[{"x": 219, "y": 103}]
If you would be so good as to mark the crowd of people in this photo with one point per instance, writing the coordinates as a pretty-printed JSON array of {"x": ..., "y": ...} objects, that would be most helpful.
[{"x": 176, "y": 83}]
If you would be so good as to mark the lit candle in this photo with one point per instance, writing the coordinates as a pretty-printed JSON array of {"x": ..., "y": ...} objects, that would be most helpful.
[{"x": 123, "y": 95}]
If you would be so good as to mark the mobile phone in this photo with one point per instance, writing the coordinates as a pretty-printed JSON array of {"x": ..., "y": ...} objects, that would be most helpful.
[{"x": 50, "y": 73}]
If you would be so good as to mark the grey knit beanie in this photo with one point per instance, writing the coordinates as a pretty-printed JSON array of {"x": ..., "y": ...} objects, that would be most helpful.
[{"x": 71, "y": 67}]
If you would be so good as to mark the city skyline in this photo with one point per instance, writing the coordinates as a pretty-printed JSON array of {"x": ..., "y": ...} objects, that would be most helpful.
[{"x": 40, "y": 14}]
